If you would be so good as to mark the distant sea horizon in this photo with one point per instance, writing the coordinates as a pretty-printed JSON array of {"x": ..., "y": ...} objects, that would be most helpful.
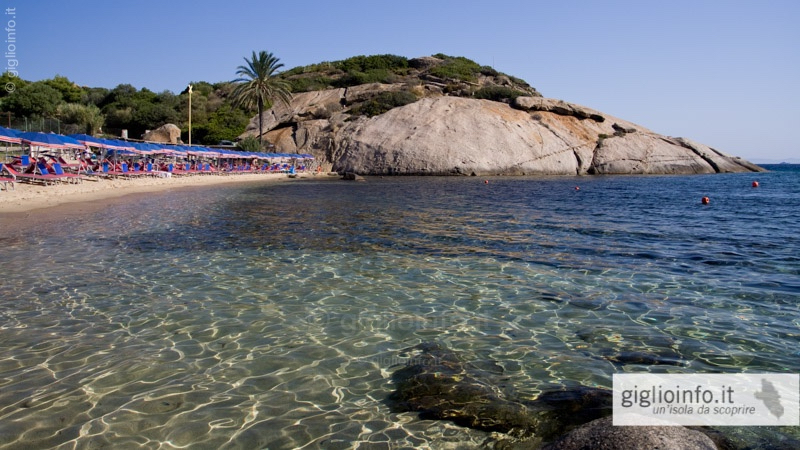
[{"x": 775, "y": 161}]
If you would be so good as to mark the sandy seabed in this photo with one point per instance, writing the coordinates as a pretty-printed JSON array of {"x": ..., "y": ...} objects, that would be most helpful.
[{"x": 26, "y": 197}]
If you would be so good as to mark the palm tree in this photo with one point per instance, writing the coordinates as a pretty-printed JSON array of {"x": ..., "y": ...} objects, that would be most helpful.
[{"x": 258, "y": 85}]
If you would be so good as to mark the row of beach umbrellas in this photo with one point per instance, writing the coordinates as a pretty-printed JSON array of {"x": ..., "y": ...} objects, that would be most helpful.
[{"x": 120, "y": 147}]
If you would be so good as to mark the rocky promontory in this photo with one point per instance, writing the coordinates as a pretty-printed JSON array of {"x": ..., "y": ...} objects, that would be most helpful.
[{"x": 491, "y": 124}]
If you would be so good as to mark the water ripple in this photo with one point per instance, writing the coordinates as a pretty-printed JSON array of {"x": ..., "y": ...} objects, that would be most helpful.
[{"x": 273, "y": 316}]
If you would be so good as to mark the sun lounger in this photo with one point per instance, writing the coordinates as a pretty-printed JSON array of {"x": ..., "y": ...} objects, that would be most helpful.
[
  {"x": 91, "y": 174},
  {"x": 183, "y": 169},
  {"x": 113, "y": 173},
  {"x": 126, "y": 171},
  {"x": 73, "y": 176},
  {"x": 5, "y": 181},
  {"x": 43, "y": 171},
  {"x": 27, "y": 177}
]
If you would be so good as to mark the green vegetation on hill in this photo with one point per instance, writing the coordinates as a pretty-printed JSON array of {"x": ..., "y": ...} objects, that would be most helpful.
[{"x": 61, "y": 105}]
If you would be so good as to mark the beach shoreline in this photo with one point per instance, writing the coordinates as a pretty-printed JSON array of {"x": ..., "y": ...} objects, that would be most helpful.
[{"x": 27, "y": 198}]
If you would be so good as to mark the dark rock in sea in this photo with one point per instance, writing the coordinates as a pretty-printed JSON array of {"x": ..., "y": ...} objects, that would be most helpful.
[
  {"x": 750, "y": 438},
  {"x": 559, "y": 411},
  {"x": 352, "y": 177},
  {"x": 601, "y": 434},
  {"x": 644, "y": 358},
  {"x": 439, "y": 385}
]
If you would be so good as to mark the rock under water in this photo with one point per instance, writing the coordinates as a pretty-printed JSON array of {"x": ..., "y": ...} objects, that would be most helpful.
[{"x": 437, "y": 384}]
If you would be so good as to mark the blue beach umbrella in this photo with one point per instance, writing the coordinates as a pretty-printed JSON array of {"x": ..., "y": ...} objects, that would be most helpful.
[
  {"x": 34, "y": 138},
  {"x": 90, "y": 141},
  {"x": 72, "y": 142},
  {"x": 9, "y": 135}
]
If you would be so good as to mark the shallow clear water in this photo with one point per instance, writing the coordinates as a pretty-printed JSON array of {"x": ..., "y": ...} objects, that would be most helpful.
[{"x": 273, "y": 315}]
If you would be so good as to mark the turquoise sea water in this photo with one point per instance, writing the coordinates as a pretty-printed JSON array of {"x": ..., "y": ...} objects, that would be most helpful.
[{"x": 272, "y": 315}]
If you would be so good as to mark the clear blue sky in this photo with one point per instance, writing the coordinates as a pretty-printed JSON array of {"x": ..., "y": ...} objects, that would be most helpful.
[{"x": 721, "y": 72}]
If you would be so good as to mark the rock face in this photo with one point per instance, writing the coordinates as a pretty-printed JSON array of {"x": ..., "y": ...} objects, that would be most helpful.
[
  {"x": 168, "y": 134},
  {"x": 441, "y": 133}
]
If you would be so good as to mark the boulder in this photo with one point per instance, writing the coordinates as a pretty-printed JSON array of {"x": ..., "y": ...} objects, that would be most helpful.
[
  {"x": 451, "y": 135},
  {"x": 304, "y": 106},
  {"x": 350, "y": 176},
  {"x": 622, "y": 128},
  {"x": 424, "y": 62},
  {"x": 439, "y": 385},
  {"x": 557, "y": 107},
  {"x": 364, "y": 92},
  {"x": 601, "y": 434},
  {"x": 645, "y": 153},
  {"x": 168, "y": 134}
]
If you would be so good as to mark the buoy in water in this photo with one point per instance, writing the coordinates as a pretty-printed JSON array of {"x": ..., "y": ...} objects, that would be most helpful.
[
  {"x": 755, "y": 183},
  {"x": 577, "y": 188},
  {"x": 485, "y": 181},
  {"x": 705, "y": 200}
]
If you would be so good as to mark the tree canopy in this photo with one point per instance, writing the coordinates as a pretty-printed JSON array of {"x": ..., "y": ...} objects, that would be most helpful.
[
  {"x": 70, "y": 108},
  {"x": 258, "y": 85}
]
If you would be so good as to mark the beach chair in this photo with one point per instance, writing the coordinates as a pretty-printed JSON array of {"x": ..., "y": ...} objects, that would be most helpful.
[
  {"x": 45, "y": 172},
  {"x": 6, "y": 180},
  {"x": 148, "y": 170},
  {"x": 91, "y": 174},
  {"x": 26, "y": 177},
  {"x": 180, "y": 170},
  {"x": 64, "y": 164},
  {"x": 60, "y": 171},
  {"x": 108, "y": 171},
  {"x": 126, "y": 172}
]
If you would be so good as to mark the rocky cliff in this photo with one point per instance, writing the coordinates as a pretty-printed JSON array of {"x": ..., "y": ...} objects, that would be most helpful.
[{"x": 445, "y": 130}]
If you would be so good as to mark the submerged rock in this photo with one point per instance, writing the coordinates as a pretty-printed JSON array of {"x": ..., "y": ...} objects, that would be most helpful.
[
  {"x": 601, "y": 434},
  {"x": 439, "y": 385},
  {"x": 561, "y": 410},
  {"x": 645, "y": 358}
]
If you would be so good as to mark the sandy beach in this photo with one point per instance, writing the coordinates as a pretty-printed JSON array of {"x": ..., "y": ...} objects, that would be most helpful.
[{"x": 26, "y": 197}]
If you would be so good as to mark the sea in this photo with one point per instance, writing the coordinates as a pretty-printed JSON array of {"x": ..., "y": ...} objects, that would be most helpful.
[{"x": 273, "y": 315}]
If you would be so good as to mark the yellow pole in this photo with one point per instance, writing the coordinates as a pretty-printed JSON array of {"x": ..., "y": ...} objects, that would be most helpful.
[{"x": 190, "y": 114}]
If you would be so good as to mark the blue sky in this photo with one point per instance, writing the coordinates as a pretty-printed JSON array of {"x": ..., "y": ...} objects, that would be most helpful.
[{"x": 724, "y": 73}]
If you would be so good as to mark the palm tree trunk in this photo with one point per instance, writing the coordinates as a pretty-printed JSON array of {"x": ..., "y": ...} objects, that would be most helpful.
[{"x": 260, "y": 120}]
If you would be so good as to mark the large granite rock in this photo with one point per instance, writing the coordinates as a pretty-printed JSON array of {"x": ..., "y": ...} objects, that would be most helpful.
[
  {"x": 168, "y": 134},
  {"x": 440, "y": 134}
]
